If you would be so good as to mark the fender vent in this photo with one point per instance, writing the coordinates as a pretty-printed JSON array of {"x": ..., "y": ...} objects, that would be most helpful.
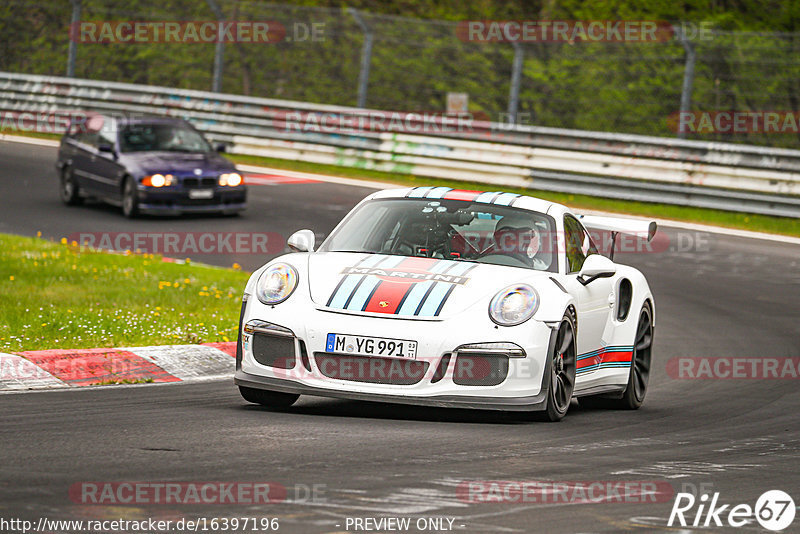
[{"x": 624, "y": 300}]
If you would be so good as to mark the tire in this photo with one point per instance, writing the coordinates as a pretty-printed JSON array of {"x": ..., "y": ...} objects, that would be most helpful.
[
  {"x": 130, "y": 202},
  {"x": 561, "y": 370},
  {"x": 638, "y": 377},
  {"x": 70, "y": 193},
  {"x": 272, "y": 399}
]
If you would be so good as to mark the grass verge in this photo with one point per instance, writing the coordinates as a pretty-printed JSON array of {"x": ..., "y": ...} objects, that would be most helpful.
[
  {"x": 728, "y": 219},
  {"x": 53, "y": 295}
]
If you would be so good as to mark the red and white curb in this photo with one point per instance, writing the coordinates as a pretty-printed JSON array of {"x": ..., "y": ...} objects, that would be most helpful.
[{"x": 49, "y": 369}]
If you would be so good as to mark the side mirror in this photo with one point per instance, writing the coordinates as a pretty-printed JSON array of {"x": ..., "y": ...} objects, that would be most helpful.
[
  {"x": 301, "y": 241},
  {"x": 221, "y": 148},
  {"x": 596, "y": 266},
  {"x": 106, "y": 148}
]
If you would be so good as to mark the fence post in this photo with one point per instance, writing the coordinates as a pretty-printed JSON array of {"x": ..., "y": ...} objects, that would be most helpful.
[
  {"x": 219, "y": 51},
  {"x": 74, "y": 33},
  {"x": 366, "y": 58},
  {"x": 516, "y": 76},
  {"x": 688, "y": 79}
]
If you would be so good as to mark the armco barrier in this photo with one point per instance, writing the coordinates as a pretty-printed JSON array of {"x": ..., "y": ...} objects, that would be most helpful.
[{"x": 632, "y": 167}]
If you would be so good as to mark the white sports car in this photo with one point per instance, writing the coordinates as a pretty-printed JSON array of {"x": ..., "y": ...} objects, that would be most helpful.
[{"x": 443, "y": 297}]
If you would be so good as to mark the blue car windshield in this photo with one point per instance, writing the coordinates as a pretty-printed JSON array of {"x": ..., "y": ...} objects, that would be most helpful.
[
  {"x": 161, "y": 137},
  {"x": 449, "y": 229}
]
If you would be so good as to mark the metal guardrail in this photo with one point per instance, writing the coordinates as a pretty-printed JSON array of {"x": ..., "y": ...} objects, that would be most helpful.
[{"x": 631, "y": 167}]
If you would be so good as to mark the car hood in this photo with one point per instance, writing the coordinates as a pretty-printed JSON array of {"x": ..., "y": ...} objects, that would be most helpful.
[
  {"x": 406, "y": 287},
  {"x": 180, "y": 162}
]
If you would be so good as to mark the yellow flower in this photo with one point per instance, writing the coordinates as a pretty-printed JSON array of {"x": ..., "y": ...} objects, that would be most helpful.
[
  {"x": 74, "y": 243},
  {"x": 186, "y": 281},
  {"x": 176, "y": 284},
  {"x": 74, "y": 267},
  {"x": 236, "y": 266},
  {"x": 44, "y": 324},
  {"x": 11, "y": 277},
  {"x": 38, "y": 234},
  {"x": 188, "y": 260},
  {"x": 63, "y": 240}
]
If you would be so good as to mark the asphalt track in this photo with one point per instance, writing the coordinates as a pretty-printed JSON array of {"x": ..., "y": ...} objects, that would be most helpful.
[{"x": 724, "y": 296}]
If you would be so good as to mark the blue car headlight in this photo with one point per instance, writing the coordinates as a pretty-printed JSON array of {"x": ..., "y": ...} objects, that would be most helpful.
[
  {"x": 276, "y": 283},
  {"x": 514, "y": 305}
]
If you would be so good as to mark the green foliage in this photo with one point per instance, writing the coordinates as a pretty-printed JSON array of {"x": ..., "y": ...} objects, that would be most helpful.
[{"x": 749, "y": 63}]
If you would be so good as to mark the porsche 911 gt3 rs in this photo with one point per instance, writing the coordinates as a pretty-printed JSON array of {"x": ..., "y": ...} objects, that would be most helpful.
[{"x": 443, "y": 297}]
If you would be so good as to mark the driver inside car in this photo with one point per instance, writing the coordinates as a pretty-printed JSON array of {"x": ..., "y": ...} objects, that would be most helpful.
[{"x": 518, "y": 239}]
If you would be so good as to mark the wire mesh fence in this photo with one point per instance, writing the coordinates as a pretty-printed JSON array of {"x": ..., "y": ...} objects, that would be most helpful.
[{"x": 741, "y": 87}]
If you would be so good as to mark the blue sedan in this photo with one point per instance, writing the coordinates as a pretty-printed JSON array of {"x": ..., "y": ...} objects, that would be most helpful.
[{"x": 155, "y": 165}]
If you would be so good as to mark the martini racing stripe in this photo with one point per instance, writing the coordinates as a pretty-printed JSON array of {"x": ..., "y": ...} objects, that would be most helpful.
[
  {"x": 418, "y": 192},
  {"x": 389, "y": 295},
  {"x": 438, "y": 192},
  {"x": 617, "y": 356},
  {"x": 341, "y": 295},
  {"x": 434, "y": 300},
  {"x": 489, "y": 197},
  {"x": 460, "y": 194},
  {"x": 362, "y": 292}
]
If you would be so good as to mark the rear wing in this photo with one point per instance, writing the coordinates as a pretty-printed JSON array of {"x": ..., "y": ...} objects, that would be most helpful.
[
  {"x": 640, "y": 228},
  {"x": 637, "y": 227}
]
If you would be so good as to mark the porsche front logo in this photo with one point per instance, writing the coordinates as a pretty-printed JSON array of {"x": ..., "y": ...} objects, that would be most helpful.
[{"x": 384, "y": 304}]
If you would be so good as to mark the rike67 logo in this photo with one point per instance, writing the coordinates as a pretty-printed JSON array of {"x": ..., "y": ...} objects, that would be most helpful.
[{"x": 774, "y": 510}]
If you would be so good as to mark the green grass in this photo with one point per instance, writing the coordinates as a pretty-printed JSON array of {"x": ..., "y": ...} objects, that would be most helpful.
[
  {"x": 57, "y": 296},
  {"x": 729, "y": 219}
]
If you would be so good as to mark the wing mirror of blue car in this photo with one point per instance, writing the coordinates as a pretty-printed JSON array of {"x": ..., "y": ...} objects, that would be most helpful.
[
  {"x": 106, "y": 148},
  {"x": 301, "y": 241},
  {"x": 594, "y": 267},
  {"x": 221, "y": 148}
]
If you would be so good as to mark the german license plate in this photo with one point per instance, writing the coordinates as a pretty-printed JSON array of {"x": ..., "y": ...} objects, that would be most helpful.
[
  {"x": 371, "y": 346},
  {"x": 199, "y": 194}
]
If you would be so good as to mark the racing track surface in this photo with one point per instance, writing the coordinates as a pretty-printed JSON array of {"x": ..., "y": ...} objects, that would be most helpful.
[{"x": 735, "y": 297}]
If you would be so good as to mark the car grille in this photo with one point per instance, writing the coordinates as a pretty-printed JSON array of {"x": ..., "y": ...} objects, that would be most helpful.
[
  {"x": 390, "y": 371},
  {"x": 206, "y": 181},
  {"x": 480, "y": 369},
  {"x": 274, "y": 351}
]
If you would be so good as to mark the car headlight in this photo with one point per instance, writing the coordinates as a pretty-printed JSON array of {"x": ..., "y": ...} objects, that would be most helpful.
[
  {"x": 276, "y": 283},
  {"x": 232, "y": 179},
  {"x": 514, "y": 305},
  {"x": 158, "y": 180}
]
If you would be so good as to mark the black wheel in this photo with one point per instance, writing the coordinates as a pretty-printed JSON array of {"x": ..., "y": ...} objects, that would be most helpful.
[
  {"x": 70, "y": 194},
  {"x": 636, "y": 388},
  {"x": 562, "y": 372},
  {"x": 273, "y": 399},
  {"x": 130, "y": 203}
]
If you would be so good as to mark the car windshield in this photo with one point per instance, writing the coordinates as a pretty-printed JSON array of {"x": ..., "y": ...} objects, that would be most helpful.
[
  {"x": 162, "y": 137},
  {"x": 449, "y": 229}
]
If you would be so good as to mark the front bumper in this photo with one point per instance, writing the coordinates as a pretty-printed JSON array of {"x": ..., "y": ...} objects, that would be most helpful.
[
  {"x": 176, "y": 201},
  {"x": 302, "y": 369}
]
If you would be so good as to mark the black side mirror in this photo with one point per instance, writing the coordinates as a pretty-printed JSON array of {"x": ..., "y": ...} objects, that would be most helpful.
[
  {"x": 220, "y": 147},
  {"x": 106, "y": 148}
]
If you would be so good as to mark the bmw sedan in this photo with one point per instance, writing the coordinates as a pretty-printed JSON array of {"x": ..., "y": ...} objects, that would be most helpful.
[{"x": 156, "y": 165}]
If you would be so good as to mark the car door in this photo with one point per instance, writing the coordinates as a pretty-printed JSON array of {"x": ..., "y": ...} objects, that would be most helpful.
[
  {"x": 104, "y": 165},
  {"x": 83, "y": 143},
  {"x": 593, "y": 301}
]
